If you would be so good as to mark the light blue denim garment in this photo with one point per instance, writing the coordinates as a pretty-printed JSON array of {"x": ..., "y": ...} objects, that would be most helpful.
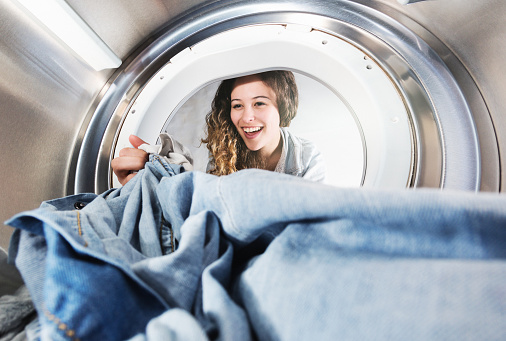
[
  {"x": 268, "y": 256},
  {"x": 301, "y": 158},
  {"x": 78, "y": 264},
  {"x": 358, "y": 264}
]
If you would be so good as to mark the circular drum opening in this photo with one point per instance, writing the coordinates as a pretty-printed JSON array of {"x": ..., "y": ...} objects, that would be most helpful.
[
  {"x": 349, "y": 107},
  {"x": 375, "y": 98}
]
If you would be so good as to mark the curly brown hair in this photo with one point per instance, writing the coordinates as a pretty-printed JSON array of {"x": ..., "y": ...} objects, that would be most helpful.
[{"x": 228, "y": 151}]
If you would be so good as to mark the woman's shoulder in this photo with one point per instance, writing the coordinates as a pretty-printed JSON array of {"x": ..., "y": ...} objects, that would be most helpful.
[
  {"x": 295, "y": 142},
  {"x": 303, "y": 158}
]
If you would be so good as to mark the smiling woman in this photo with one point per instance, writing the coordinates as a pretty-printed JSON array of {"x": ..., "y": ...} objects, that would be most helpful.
[
  {"x": 339, "y": 140},
  {"x": 243, "y": 128},
  {"x": 396, "y": 94},
  {"x": 255, "y": 114},
  {"x": 246, "y": 128},
  {"x": 366, "y": 136}
]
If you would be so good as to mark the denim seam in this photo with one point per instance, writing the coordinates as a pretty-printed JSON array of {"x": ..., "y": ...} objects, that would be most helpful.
[
  {"x": 163, "y": 220},
  {"x": 171, "y": 239},
  {"x": 70, "y": 333},
  {"x": 160, "y": 235},
  {"x": 158, "y": 158},
  {"x": 79, "y": 228}
]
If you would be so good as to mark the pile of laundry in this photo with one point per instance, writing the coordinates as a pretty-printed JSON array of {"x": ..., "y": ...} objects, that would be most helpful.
[{"x": 258, "y": 255}]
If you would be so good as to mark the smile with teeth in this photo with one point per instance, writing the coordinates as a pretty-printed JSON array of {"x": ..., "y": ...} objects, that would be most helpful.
[{"x": 251, "y": 129}]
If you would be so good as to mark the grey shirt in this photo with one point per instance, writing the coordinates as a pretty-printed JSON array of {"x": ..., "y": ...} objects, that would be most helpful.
[{"x": 300, "y": 157}]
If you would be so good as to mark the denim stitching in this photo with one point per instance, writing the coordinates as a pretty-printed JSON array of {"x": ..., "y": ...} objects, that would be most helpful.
[
  {"x": 157, "y": 158},
  {"x": 168, "y": 168},
  {"x": 70, "y": 333},
  {"x": 79, "y": 228},
  {"x": 171, "y": 239},
  {"x": 160, "y": 235},
  {"x": 172, "y": 246}
]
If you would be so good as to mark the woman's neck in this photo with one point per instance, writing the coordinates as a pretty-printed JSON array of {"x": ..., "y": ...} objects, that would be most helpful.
[{"x": 272, "y": 158}]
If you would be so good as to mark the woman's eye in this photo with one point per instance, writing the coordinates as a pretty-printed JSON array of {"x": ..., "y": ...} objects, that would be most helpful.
[
  {"x": 258, "y": 104},
  {"x": 236, "y": 106}
]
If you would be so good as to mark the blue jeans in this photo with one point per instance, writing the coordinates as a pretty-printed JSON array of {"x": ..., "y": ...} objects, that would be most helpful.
[{"x": 268, "y": 256}]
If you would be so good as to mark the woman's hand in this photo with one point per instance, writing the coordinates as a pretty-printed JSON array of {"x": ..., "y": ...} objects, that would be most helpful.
[{"x": 129, "y": 161}]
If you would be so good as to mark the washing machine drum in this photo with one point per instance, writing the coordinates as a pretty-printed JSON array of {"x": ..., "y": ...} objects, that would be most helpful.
[{"x": 377, "y": 100}]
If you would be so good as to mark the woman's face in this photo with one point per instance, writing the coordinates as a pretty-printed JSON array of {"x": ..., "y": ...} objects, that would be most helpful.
[{"x": 254, "y": 112}]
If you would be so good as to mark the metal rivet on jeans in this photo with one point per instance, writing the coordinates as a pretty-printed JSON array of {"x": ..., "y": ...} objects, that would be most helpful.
[{"x": 79, "y": 205}]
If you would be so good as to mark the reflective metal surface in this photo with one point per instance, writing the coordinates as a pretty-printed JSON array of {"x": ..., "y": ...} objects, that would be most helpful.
[
  {"x": 470, "y": 37},
  {"x": 447, "y": 145},
  {"x": 45, "y": 93},
  {"x": 49, "y": 97}
]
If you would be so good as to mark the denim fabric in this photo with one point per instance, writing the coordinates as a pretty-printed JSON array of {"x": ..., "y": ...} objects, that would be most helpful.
[
  {"x": 78, "y": 264},
  {"x": 268, "y": 256}
]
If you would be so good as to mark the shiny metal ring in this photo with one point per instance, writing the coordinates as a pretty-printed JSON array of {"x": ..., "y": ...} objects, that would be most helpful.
[{"x": 446, "y": 146}]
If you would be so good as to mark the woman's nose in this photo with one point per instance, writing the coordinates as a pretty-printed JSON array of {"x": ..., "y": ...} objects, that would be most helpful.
[{"x": 248, "y": 115}]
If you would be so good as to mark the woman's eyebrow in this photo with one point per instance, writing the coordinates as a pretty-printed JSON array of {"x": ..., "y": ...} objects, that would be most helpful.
[{"x": 256, "y": 97}]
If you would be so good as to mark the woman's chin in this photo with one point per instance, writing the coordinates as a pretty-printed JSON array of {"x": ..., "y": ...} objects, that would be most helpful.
[{"x": 254, "y": 149}]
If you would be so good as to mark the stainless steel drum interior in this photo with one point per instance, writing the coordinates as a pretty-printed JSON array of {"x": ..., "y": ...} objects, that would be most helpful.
[{"x": 61, "y": 119}]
